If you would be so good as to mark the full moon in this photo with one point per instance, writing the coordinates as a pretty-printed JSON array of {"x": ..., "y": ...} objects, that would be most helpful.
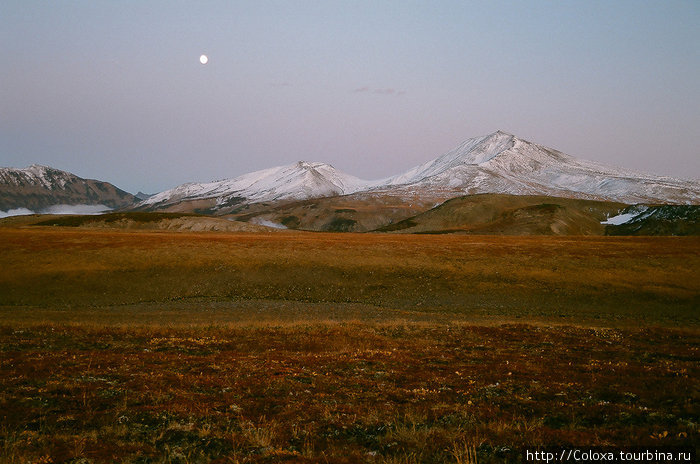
[{"x": 203, "y": 59}]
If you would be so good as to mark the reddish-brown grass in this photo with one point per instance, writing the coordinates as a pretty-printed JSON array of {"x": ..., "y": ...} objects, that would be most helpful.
[
  {"x": 343, "y": 393},
  {"x": 297, "y": 347},
  {"x": 574, "y": 279}
]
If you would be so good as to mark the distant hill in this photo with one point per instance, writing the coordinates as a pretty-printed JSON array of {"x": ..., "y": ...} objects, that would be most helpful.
[
  {"x": 357, "y": 212},
  {"x": 498, "y": 214},
  {"x": 39, "y": 187},
  {"x": 143, "y": 196},
  {"x": 143, "y": 220}
]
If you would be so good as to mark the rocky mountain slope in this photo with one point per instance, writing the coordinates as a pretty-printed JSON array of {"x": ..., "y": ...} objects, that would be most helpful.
[{"x": 39, "y": 187}]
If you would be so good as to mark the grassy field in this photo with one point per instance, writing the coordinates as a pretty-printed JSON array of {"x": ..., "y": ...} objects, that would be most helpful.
[{"x": 137, "y": 346}]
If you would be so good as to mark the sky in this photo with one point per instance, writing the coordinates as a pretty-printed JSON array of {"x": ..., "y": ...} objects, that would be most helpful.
[{"x": 115, "y": 90}]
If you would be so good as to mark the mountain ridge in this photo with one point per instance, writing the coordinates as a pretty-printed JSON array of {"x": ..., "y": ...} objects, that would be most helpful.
[
  {"x": 38, "y": 187},
  {"x": 498, "y": 162}
]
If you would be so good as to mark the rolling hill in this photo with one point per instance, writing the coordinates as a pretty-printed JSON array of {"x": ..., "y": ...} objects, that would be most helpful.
[{"x": 499, "y": 214}]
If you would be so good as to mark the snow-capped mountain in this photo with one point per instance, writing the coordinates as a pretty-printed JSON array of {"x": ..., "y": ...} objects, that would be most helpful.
[
  {"x": 40, "y": 187},
  {"x": 298, "y": 181},
  {"x": 496, "y": 163},
  {"x": 503, "y": 163}
]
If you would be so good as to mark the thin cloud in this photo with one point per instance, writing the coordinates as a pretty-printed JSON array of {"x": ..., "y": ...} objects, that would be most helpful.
[{"x": 387, "y": 91}]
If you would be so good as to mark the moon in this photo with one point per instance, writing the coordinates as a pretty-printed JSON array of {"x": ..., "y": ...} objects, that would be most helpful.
[{"x": 204, "y": 59}]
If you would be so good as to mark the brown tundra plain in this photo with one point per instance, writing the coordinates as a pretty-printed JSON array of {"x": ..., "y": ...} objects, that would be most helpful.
[{"x": 177, "y": 347}]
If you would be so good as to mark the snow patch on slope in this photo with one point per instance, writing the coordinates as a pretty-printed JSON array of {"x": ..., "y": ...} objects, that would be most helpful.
[{"x": 627, "y": 215}]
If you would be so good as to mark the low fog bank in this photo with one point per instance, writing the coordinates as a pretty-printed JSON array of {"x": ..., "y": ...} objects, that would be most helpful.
[{"x": 58, "y": 209}]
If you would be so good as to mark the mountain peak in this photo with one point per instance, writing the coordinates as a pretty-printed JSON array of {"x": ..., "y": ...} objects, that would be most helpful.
[
  {"x": 296, "y": 181},
  {"x": 36, "y": 173},
  {"x": 474, "y": 151},
  {"x": 498, "y": 135},
  {"x": 503, "y": 163},
  {"x": 500, "y": 132},
  {"x": 311, "y": 165},
  {"x": 40, "y": 170}
]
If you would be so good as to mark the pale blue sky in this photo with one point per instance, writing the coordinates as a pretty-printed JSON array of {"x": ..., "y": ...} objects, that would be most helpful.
[{"x": 115, "y": 90}]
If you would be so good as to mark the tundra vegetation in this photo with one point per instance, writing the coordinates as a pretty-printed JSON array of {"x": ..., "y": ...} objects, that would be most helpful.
[{"x": 141, "y": 346}]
